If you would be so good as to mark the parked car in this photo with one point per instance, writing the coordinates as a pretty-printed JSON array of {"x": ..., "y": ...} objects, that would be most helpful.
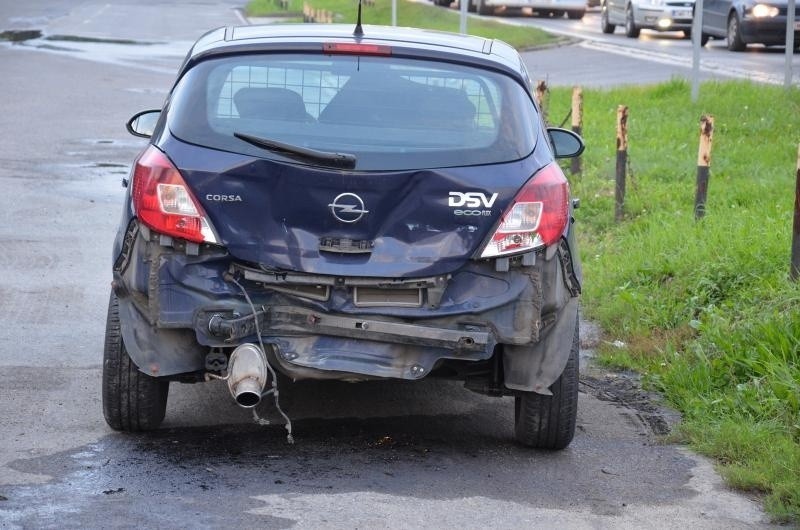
[
  {"x": 330, "y": 204},
  {"x": 574, "y": 9},
  {"x": 636, "y": 15},
  {"x": 744, "y": 22}
]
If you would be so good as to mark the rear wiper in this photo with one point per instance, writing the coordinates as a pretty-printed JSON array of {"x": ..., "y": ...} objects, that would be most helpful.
[{"x": 304, "y": 154}]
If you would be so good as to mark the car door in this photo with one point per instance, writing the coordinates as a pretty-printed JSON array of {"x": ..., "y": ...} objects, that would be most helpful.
[
  {"x": 616, "y": 11},
  {"x": 715, "y": 16}
]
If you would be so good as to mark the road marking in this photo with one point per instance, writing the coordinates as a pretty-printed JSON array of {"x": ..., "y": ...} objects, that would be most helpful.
[
  {"x": 706, "y": 65},
  {"x": 100, "y": 12},
  {"x": 242, "y": 19},
  {"x": 608, "y": 45}
]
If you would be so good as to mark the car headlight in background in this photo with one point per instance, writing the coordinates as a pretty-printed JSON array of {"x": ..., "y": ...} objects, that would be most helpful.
[{"x": 764, "y": 11}]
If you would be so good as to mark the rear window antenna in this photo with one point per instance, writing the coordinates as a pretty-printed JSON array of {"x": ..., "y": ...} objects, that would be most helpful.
[{"x": 358, "y": 32}]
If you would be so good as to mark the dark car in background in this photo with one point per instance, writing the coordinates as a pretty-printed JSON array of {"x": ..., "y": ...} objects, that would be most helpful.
[
  {"x": 744, "y": 22},
  {"x": 325, "y": 203}
]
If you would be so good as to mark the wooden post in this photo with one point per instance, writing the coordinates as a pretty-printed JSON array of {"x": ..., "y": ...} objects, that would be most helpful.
[
  {"x": 703, "y": 165},
  {"x": 577, "y": 124},
  {"x": 794, "y": 271},
  {"x": 539, "y": 94},
  {"x": 622, "y": 162}
]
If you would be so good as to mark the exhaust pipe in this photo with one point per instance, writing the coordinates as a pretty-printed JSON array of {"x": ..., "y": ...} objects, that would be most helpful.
[{"x": 247, "y": 374}]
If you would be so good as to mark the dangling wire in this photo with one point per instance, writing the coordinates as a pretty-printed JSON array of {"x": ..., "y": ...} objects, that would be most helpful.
[{"x": 273, "y": 376}]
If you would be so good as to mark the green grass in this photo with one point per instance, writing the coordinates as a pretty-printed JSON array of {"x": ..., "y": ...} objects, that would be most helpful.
[
  {"x": 411, "y": 14},
  {"x": 706, "y": 309}
]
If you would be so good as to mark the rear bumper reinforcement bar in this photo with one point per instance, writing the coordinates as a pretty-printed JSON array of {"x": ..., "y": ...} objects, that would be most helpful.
[{"x": 286, "y": 320}]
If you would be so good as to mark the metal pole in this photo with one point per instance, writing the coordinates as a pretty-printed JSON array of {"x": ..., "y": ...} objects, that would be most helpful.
[
  {"x": 462, "y": 7},
  {"x": 787, "y": 78},
  {"x": 703, "y": 165},
  {"x": 394, "y": 12},
  {"x": 697, "y": 35}
]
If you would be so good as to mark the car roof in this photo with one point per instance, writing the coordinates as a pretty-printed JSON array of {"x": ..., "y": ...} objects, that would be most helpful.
[{"x": 408, "y": 42}]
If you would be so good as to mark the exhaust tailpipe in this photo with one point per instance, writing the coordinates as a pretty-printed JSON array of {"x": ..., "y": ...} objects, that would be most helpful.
[{"x": 247, "y": 374}]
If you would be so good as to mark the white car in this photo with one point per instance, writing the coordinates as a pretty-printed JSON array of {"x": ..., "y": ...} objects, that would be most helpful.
[
  {"x": 574, "y": 9},
  {"x": 635, "y": 15}
]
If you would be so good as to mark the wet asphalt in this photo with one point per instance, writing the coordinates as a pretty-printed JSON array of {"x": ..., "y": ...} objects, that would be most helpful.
[{"x": 396, "y": 455}]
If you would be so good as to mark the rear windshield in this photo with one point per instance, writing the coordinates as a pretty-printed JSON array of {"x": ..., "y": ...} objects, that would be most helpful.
[{"x": 390, "y": 113}]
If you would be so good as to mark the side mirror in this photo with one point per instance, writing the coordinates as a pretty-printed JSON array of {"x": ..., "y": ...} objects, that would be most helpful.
[
  {"x": 566, "y": 144},
  {"x": 143, "y": 123}
]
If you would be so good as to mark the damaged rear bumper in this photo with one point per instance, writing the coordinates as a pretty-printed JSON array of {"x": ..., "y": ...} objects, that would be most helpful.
[
  {"x": 312, "y": 344},
  {"x": 181, "y": 307}
]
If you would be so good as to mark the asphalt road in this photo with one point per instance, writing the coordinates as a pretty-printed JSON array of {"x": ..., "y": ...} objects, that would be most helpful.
[
  {"x": 596, "y": 59},
  {"x": 395, "y": 455}
]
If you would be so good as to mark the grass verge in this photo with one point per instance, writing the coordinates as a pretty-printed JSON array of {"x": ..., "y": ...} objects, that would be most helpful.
[
  {"x": 411, "y": 14},
  {"x": 705, "y": 309}
]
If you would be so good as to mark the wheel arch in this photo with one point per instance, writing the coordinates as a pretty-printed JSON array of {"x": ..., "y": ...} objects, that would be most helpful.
[
  {"x": 158, "y": 352},
  {"x": 534, "y": 369},
  {"x": 742, "y": 40},
  {"x": 737, "y": 9}
]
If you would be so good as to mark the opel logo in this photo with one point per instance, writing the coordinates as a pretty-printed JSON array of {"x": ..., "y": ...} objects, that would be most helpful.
[{"x": 347, "y": 207}]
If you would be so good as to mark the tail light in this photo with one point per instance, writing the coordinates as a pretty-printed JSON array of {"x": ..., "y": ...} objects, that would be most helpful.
[
  {"x": 537, "y": 216},
  {"x": 163, "y": 201}
]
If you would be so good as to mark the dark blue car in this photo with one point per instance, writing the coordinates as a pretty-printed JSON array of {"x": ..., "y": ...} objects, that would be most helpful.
[
  {"x": 744, "y": 22},
  {"x": 329, "y": 204}
]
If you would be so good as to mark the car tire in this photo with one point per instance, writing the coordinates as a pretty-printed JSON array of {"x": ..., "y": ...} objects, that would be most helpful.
[
  {"x": 483, "y": 9},
  {"x": 704, "y": 38},
  {"x": 471, "y": 6},
  {"x": 631, "y": 29},
  {"x": 735, "y": 42},
  {"x": 576, "y": 14},
  {"x": 443, "y": 3},
  {"x": 132, "y": 400},
  {"x": 687, "y": 34},
  {"x": 605, "y": 26},
  {"x": 548, "y": 422}
]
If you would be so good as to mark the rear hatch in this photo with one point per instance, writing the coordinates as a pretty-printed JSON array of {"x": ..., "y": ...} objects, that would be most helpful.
[
  {"x": 377, "y": 224},
  {"x": 412, "y": 161}
]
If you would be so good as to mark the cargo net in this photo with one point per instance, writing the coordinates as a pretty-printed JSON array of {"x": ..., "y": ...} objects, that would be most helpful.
[{"x": 303, "y": 94}]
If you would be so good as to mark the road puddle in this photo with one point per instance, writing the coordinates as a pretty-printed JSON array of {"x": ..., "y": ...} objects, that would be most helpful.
[
  {"x": 20, "y": 35},
  {"x": 161, "y": 57}
]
